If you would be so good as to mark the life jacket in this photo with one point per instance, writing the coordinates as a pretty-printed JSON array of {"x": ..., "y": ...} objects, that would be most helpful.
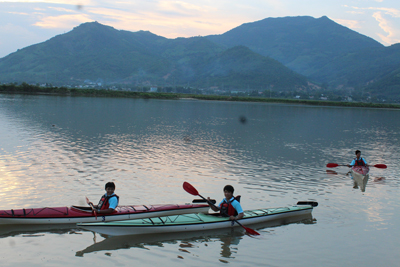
[
  {"x": 226, "y": 208},
  {"x": 103, "y": 203},
  {"x": 359, "y": 162}
]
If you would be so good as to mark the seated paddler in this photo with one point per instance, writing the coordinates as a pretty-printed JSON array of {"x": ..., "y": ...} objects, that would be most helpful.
[
  {"x": 358, "y": 160},
  {"x": 108, "y": 202},
  {"x": 229, "y": 206}
]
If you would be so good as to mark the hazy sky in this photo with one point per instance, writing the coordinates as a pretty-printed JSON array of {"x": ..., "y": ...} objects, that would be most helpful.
[{"x": 23, "y": 23}]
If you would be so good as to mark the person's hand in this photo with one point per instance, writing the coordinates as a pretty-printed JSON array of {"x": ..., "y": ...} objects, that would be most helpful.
[{"x": 232, "y": 218}]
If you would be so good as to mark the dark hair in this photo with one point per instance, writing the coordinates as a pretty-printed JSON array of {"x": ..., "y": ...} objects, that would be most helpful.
[
  {"x": 229, "y": 188},
  {"x": 358, "y": 151},
  {"x": 110, "y": 184}
]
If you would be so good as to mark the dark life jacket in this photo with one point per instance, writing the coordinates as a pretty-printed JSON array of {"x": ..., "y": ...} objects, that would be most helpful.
[
  {"x": 226, "y": 208},
  {"x": 104, "y": 204},
  {"x": 359, "y": 162}
]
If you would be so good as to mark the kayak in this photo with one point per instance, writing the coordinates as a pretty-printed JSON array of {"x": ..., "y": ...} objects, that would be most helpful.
[
  {"x": 76, "y": 214},
  {"x": 360, "y": 176},
  {"x": 361, "y": 171},
  {"x": 194, "y": 221}
]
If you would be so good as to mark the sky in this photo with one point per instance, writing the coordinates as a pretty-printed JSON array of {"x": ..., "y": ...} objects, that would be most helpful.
[{"x": 27, "y": 22}]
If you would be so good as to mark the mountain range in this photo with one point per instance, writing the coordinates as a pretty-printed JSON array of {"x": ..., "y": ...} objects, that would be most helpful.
[{"x": 290, "y": 53}]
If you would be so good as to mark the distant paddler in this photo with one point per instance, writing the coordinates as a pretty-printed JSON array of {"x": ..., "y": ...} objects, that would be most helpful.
[{"x": 358, "y": 160}]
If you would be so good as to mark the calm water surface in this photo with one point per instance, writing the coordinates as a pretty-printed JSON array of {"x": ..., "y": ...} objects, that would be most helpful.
[{"x": 54, "y": 151}]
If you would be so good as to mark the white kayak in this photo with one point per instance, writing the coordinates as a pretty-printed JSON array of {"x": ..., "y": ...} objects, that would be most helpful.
[{"x": 195, "y": 221}]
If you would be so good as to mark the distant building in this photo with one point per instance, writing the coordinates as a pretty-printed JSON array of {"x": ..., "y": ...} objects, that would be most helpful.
[{"x": 153, "y": 89}]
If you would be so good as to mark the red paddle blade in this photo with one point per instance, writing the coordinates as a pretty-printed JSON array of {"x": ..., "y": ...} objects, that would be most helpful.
[
  {"x": 190, "y": 189},
  {"x": 332, "y": 165},
  {"x": 380, "y": 166},
  {"x": 250, "y": 231},
  {"x": 87, "y": 200}
]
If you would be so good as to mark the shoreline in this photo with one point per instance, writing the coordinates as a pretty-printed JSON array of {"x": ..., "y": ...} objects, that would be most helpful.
[{"x": 62, "y": 91}]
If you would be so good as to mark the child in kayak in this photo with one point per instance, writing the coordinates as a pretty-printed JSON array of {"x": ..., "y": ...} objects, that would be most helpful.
[
  {"x": 229, "y": 206},
  {"x": 358, "y": 160},
  {"x": 108, "y": 202}
]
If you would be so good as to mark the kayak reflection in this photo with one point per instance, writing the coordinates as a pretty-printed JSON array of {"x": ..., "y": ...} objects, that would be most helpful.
[
  {"x": 360, "y": 176},
  {"x": 15, "y": 230},
  {"x": 228, "y": 237}
]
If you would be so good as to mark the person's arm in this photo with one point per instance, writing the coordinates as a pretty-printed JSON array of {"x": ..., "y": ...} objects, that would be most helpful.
[
  {"x": 352, "y": 163},
  {"x": 213, "y": 207},
  {"x": 238, "y": 209},
  {"x": 366, "y": 164},
  {"x": 239, "y": 216}
]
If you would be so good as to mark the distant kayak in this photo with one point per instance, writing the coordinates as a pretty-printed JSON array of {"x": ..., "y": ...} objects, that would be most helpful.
[
  {"x": 76, "y": 214},
  {"x": 360, "y": 170},
  {"x": 360, "y": 176},
  {"x": 194, "y": 221}
]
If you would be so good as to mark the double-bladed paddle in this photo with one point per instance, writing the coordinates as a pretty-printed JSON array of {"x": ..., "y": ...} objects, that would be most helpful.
[
  {"x": 91, "y": 205},
  {"x": 191, "y": 190},
  {"x": 333, "y": 165}
]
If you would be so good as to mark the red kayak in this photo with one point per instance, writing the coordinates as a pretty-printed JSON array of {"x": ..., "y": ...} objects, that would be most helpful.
[
  {"x": 360, "y": 170},
  {"x": 75, "y": 214}
]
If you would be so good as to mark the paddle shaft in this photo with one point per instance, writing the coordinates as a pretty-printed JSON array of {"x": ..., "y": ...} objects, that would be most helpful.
[
  {"x": 333, "y": 165},
  {"x": 93, "y": 208}
]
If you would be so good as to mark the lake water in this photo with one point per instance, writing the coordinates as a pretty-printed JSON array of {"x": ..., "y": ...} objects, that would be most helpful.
[{"x": 54, "y": 151}]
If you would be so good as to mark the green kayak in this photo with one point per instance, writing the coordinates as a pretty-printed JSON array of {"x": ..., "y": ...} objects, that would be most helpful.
[{"x": 195, "y": 221}]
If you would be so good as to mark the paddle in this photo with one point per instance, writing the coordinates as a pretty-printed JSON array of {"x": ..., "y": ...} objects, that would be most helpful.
[
  {"x": 191, "y": 190},
  {"x": 333, "y": 165},
  {"x": 91, "y": 205}
]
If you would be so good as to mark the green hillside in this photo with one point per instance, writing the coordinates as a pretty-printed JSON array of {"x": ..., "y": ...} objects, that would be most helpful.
[
  {"x": 303, "y": 44},
  {"x": 358, "y": 69},
  {"x": 96, "y": 52}
]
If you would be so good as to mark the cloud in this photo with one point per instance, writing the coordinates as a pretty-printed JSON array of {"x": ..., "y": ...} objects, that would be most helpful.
[
  {"x": 385, "y": 25},
  {"x": 386, "y": 18},
  {"x": 63, "y": 21},
  {"x": 66, "y": 2},
  {"x": 352, "y": 24}
]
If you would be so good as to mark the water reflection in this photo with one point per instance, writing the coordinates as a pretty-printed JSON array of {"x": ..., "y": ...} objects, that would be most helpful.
[
  {"x": 37, "y": 230},
  {"x": 229, "y": 238},
  {"x": 360, "y": 182}
]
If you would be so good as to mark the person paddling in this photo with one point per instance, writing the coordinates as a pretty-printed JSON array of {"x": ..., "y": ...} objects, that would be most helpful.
[
  {"x": 108, "y": 202},
  {"x": 358, "y": 160},
  {"x": 229, "y": 206}
]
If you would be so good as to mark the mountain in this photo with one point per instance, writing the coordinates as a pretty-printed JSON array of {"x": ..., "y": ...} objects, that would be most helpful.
[
  {"x": 90, "y": 51},
  {"x": 97, "y": 52},
  {"x": 387, "y": 87},
  {"x": 304, "y": 44},
  {"x": 241, "y": 68},
  {"x": 361, "y": 68},
  {"x": 279, "y": 53}
]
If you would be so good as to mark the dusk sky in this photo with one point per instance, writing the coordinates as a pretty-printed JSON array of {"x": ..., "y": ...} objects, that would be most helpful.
[{"x": 23, "y": 23}]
